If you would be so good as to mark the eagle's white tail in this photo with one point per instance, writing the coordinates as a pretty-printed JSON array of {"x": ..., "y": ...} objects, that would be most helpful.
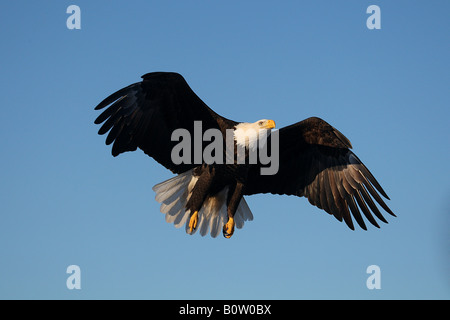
[{"x": 173, "y": 194}]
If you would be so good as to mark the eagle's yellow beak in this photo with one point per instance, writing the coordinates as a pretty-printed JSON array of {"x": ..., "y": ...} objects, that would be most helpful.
[{"x": 270, "y": 124}]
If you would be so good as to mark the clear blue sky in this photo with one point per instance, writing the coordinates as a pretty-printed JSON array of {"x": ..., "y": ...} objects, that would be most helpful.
[{"x": 65, "y": 200}]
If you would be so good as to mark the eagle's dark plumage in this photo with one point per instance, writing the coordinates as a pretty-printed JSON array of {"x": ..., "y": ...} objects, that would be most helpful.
[
  {"x": 144, "y": 115},
  {"x": 315, "y": 160}
]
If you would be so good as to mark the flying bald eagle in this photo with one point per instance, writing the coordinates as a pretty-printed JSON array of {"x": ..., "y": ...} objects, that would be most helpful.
[{"x": 314, "y": 159}]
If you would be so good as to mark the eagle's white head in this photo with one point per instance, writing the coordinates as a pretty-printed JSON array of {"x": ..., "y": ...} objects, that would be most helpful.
[{"x": 247, "y": 134}]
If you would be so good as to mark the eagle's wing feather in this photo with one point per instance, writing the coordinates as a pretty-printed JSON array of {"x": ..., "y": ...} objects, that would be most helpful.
[
  {"x": 145, "y": 114},
  {"x": 315, "y": 161}
]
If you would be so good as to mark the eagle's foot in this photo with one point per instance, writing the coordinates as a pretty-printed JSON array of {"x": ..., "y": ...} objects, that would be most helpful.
[
  {"x": 228, "y": 228},
  {"x": 193, "y": 221}
]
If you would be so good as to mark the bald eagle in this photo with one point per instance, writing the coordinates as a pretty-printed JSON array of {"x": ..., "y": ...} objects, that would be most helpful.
[{"x": 314, "y": 158}]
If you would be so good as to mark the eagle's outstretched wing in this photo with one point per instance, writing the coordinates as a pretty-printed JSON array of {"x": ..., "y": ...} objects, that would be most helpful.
[
  {"x": 145, "y": 114},
  {"x": 315, "y": 161}
]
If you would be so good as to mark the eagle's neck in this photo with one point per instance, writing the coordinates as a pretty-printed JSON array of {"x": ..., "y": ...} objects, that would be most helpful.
[{"x": 247, "y": 134}]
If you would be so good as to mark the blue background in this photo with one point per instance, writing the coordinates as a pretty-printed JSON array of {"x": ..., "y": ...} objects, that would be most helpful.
[{"x": 65, "y": 200}]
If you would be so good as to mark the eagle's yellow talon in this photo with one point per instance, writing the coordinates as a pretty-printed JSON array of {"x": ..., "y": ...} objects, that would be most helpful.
[
  {"x": 193, "y": 221},
  {"x": 228, "y": 228}
]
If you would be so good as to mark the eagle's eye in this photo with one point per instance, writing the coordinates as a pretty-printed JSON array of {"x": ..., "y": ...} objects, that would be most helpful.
[{"x": 260, "y": 123}]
